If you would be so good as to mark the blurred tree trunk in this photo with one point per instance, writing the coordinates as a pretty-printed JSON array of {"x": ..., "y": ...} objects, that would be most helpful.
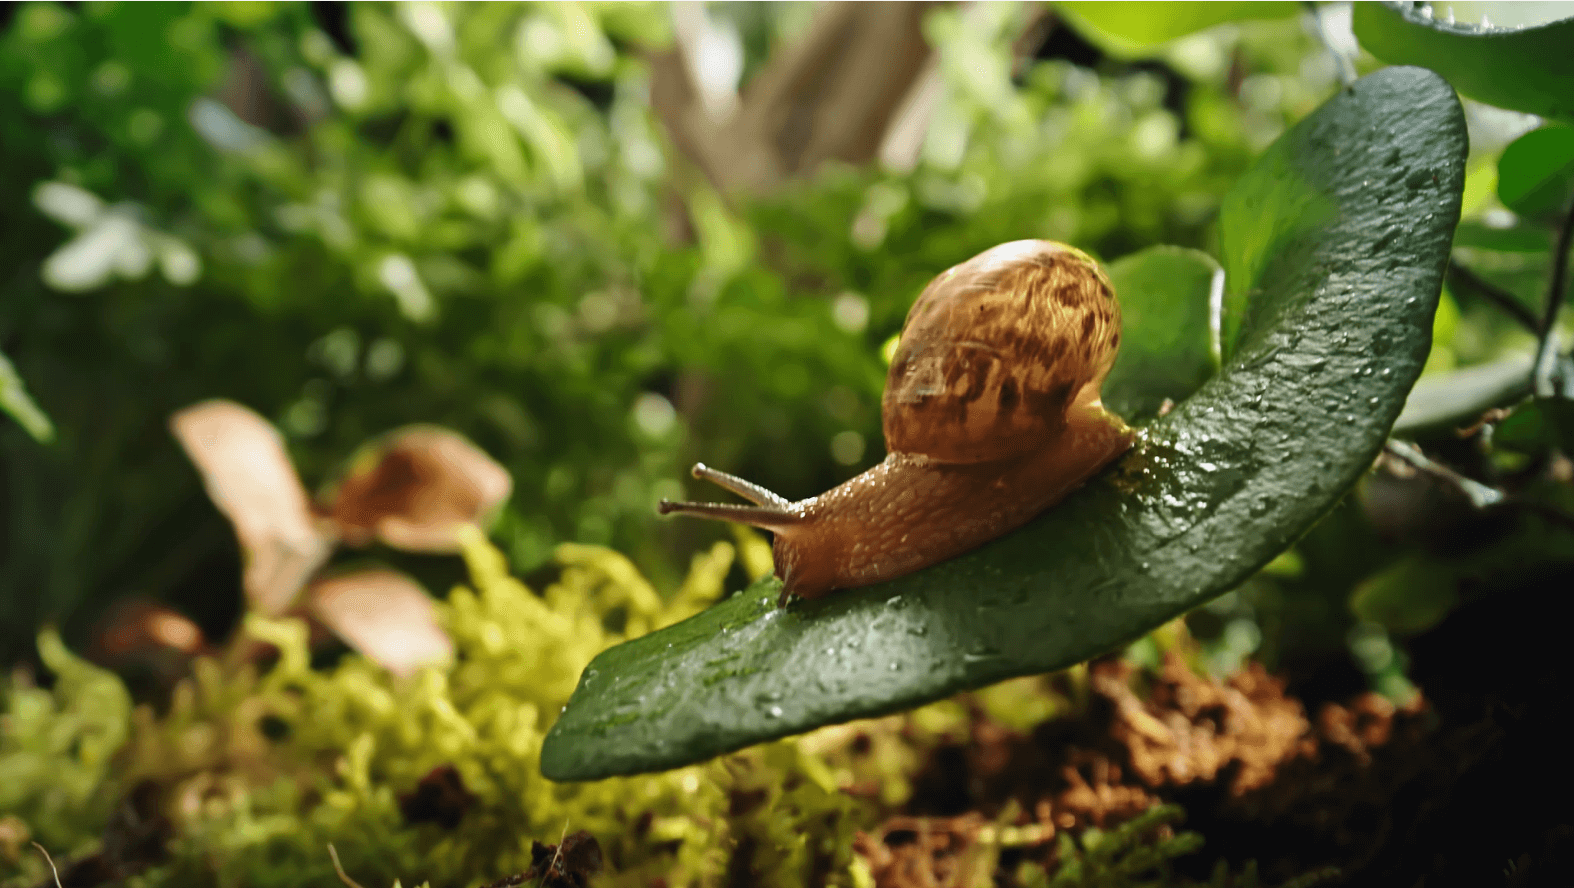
[{"x": 831, "y": 95}]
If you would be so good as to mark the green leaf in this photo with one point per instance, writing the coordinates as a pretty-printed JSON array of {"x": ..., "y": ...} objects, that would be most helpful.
[
  {"x": 1457, "y": 397},
  {"x": 15, "y": 401},
  {"x": 1255, "y": 255},
  {"x": 1128, "y": 30},
  {"x": 1337, "y": 330},
  {"x": 1522, "y": 238},
  {"x": 1537, "y": 426},
  {"x": 1409, "y": 596},
  {"x": 1536, "y": 171},
  {"x": 1526, "y": 69},
  {"x": 1164, "y": 299}
]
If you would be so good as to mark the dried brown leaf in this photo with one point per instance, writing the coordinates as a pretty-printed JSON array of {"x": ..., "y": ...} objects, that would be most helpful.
[
  {"x": 415, "y": 488},
  {"x": 383, "y": 615},
  {"x": 250, "y": 478}
]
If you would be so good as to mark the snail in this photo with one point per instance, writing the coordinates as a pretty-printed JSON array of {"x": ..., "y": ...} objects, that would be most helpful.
[{"x": 991, "y": 414}]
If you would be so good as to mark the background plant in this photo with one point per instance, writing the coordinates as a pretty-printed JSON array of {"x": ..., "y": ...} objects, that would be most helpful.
[{"x": 470, "y": 217}]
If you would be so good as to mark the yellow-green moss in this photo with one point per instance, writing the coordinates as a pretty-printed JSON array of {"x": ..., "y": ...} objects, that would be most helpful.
[
  {"x": 263, "y": 768},
  {"x": 256, "y": 811},
  {"x": 56, "y": 749}
]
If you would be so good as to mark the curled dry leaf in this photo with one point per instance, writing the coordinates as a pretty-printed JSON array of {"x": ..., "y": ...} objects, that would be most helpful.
[
  {"x": 415, "y": 488},
  {"x": 139, "y": 627},
  {"x": 250, "y": 478},
  {"x": 384, "y": 615},
  {"x": 140, "y": 638}
]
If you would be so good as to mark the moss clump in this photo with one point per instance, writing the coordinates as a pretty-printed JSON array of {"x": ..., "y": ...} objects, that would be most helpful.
[
  {"x": 259, "y": 769},
  {"x": 253, "y": 770},
  {"x": 56, "y": 751}
]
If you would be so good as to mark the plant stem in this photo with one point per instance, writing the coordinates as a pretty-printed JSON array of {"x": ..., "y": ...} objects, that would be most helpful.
[
  {"x": 1343, "y": 66},
  {"x": 1547, "y": 351},
  {"x": 1480, "y": 495},
  {"x": 1494, "y": 294}
]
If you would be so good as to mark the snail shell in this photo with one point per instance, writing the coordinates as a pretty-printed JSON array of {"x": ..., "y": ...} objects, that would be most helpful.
[{"x": 991, "y": 414}]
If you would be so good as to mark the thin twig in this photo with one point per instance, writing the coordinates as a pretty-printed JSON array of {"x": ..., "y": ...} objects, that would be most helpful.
[
  {"x": 1480, "y": 495},
  {"x": 51, "y": 863},
  {"x": 558, "y": 853},
  {"x": 1494, "y": 294},
  {"x": 339, "y": 869},
  {"x": 1547, "y": 351}
]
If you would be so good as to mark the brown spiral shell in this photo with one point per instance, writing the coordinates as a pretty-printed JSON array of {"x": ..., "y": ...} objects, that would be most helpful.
[{"x": 996, "y": 350}]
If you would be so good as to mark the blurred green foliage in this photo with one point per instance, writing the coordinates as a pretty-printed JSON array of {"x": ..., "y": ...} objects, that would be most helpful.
[
  {"x": 57, "y": 747},
  {"x": 1134, "y": 29},
  {"x": 468, "y": 216}
]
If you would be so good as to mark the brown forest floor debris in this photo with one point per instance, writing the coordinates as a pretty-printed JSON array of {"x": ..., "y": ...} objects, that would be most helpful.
[
  {"x": 571, "y": 864},
  {"x": 1241, "y": 747}
]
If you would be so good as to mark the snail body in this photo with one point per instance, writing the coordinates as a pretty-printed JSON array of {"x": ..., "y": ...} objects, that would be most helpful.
[{"x": 991, "y": 414}]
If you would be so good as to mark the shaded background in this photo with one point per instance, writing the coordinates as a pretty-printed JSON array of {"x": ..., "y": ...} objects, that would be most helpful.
[{"x": 603, "y": 242}]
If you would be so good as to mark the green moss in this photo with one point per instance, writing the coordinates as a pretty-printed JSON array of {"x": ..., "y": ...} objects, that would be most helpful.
[
  {"x": 56, "y": 749},
  {"x": 259, "y": 812},
  {"x": 263, "y": 768}
]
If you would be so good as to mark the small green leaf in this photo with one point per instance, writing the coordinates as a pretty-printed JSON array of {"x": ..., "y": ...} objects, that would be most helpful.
[
  {"x": 1522, "y": 238},
  {"x": 1526, "y": 69},
  {"x": 1336, "y": 331},
  {"x": 1128, "y": 30},
  {"x": 1536, "y": 172},
  {"x": 15, "y": 401},
  {"x": 1409, "y": 596},
  {"x": 1536, "y": 426},
  {"x": 1164, "y": 299},
  {"x": 1457, "y": 397}
]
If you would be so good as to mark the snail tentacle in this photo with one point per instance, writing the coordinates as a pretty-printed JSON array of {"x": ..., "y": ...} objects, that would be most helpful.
[
  {"x": 750, "y": 491},
  {"x": 763, "y": 517}
]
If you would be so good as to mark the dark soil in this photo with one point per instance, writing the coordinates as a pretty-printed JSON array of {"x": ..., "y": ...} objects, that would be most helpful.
[{"x": 1468, "y": 785}]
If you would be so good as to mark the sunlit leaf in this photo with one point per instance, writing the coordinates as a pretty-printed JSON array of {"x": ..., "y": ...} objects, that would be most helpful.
[
  {"x": 1536, "y": 172},
  {"x": 1457, "y": 397},
  {"x": 250, "y": 478},
  {"x": 1129, "y": 29}
]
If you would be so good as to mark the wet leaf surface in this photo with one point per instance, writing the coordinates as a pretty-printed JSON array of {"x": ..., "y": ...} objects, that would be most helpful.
[{"x": 1335, "y": 243}]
